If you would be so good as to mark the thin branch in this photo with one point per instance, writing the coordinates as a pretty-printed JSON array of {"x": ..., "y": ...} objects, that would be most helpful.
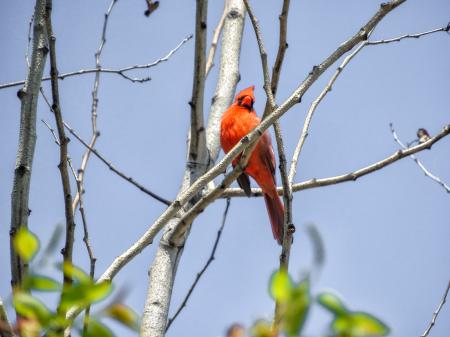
[
  {"x": 410, "y": 36},
  {"x": 94, "y": 106},
  {"x": 313, "y": 107},
  {"x": 28, "y": 96},
  {"x": 245, "y": 143},
  {"x": 202, "y": 271},
  {"x": 215, "y": 39},
  {"x": 55, "y": 138},
  {"x": 115, "y": 170},
  {"x": 419, "y": 163},
  {"x": 263, "y": 53},
  {"x": 351, "y": 176},
  {"x": 121, "y": 71},
  {"x": 282, "y": 46},
  {"x": 63, "y": 141},
  {"x": 436, "y": 312},
  {"x": 92, "y": 258}
]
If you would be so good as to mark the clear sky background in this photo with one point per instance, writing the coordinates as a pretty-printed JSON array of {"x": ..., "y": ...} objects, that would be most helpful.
[{"x": 386, "y": 235}]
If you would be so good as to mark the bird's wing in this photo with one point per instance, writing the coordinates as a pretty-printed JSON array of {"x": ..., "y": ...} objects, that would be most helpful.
[{"x": 266, "y": 154}]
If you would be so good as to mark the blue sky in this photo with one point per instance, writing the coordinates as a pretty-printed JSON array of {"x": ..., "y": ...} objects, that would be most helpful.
[{"x": 386, "y": 235}]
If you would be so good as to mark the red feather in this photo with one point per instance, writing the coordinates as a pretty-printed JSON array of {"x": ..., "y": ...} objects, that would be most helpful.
[{"x": 237, "y": 122}]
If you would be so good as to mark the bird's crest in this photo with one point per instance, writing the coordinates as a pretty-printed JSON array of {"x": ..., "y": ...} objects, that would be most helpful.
[{"x": 246, "y": 92}]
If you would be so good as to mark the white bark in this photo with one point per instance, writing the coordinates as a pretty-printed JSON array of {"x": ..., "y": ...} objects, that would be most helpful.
[
  {"x": 27, "y": 137},
  {"x": 164, "y": 267}
]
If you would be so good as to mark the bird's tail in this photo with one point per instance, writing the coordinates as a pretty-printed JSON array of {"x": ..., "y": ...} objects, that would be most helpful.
[{"x": 275, "y": 209}]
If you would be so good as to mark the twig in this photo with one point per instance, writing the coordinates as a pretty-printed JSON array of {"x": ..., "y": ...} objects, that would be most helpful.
[
  {"x": 28, "y": 96},
  {"x": 202, "y": 271},
  {"x": 313, "y": 107},
  {"x": 92, "y": 258},
  {"x": 245, "y": 143},
  {"x": 120, "y": 71},
  {"x": 263, "y": 53},
  {"x": 94, "y": 106},
  {"x": 351, "y": 176},
  {"x": 55, "y": 138},
  {"x": 115, "y": 170},
  {"x": 282, "y": 46},
  {"x": 63, "y": 140},
  {"x": 436, "y": 312},
  {"x": 419, "y": 163},
  {"x": 215, "y": 39},
  {"x": 410, "y": 36}
]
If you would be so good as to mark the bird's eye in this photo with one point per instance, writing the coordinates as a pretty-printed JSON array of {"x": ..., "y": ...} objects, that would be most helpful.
[{"x": 240, "y": 101}]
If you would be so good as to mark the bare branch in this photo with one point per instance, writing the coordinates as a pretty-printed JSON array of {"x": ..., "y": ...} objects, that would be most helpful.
[
  {"x": 282, "y": 46},
  {"x": 55, "y": 138},
  {"x": 121, "y": 71},
  {"x": 63, "y": 141},
  {"x": 202, "y": 271},
  {"x": 187, "y": 194},
  {"x": 313, "y": 107},
  {"x": 253, "y": 136},
  {"x": 419, "y": 163},
  {"x": 351, "y": 176},
  {"x": 329, "y": 86},
  {"x": 92, "y": 258},
  {"x": 215, "y": 39},
  {"x": 28, "y": 96},
  {"x": 115, "y": 170},
  {"x": 436, "y": 312},
  {"x": 94, "y": 106},
  {"x": 410, "y": 36},
  {"x": 263, "y": 54}
]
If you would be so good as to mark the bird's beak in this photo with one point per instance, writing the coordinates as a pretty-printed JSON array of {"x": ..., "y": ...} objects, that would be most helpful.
[{"x": 247, "y": 102}]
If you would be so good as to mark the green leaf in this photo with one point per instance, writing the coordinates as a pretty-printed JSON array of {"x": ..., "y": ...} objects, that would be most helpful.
[
  {"x": 262, "y": 328},
  {"x": 26, "y": 244},
  {"x": 30, "y": 307},
  {"x": 296, "y": 308},
  {"x": 84, "y": 294},
  {"x": 123, "y": 314},
  {"x": 333, "y": 303},
  {"x": 75, "y": 273},
  {"x": 280, "y": 286},
  {"x": 359, "y": 324},
  {"x": 41, "y": 283},
  {"x": 97, "y": 329}
]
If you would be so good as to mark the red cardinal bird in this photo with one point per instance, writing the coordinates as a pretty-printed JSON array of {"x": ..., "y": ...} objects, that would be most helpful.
[{"x": 237, "y": 122}]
